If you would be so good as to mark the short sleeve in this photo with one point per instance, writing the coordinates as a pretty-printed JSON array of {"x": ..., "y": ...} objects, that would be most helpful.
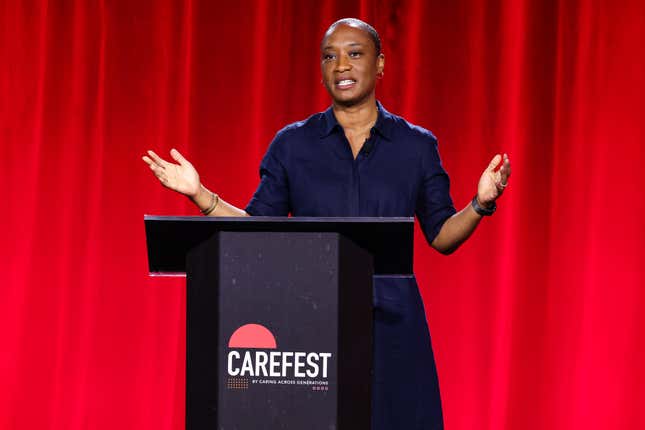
[
  {"x": 434, "y": 204},
  {"x": 272, "y": 195}
]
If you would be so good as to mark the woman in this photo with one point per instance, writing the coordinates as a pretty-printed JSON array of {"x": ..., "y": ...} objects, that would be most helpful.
[{"x": 357, "y": 159}]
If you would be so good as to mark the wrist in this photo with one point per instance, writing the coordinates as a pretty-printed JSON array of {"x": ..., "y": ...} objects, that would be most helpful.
[
  {"x": 198, "y": 195},
  {"x": 481, "y": 209},
  {"x": 202, "y": 198},
  {"x": 214, "y": 200},
  {"x": 483, "y": 204}
]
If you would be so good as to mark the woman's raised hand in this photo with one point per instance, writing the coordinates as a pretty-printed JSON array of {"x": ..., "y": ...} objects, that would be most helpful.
[
  {"x": 494, "y": 179},
  {"x": 181, "y": 176}
]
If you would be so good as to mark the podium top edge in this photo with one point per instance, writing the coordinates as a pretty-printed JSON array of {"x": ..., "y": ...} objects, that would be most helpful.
[
  {"x": 264, "y": 219},
  {"x": 170, "y": 238}
]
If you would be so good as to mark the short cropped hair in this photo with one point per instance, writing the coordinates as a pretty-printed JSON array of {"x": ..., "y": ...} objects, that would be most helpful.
[{"x": 355, "y": 22}]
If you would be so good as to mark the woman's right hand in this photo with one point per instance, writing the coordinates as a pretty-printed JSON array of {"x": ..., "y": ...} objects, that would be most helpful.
[{"x": 181, "y": 177}]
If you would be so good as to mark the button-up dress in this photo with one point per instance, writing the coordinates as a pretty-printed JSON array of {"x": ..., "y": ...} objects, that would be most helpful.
[{"x": 309, "y": 170}]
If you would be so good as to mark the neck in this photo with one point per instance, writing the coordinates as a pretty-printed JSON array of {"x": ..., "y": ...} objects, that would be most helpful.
[{"x": 360, "y": 116}]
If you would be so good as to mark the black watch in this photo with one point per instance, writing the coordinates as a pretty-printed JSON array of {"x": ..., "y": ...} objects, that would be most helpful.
[{"x": 481, "y": 210}]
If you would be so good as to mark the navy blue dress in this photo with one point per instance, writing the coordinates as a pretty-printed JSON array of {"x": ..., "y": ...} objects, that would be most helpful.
[{"x": 309, "y": 170}]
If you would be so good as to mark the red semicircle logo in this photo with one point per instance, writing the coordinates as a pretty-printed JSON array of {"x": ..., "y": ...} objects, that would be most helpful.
[{"x": 252, "y": 336}]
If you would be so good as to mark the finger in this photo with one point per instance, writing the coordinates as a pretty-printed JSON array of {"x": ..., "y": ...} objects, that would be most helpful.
[
  {"x": 506, "y": 169},
  {"x": 506, "y": 173},
  {"x": 501, "y": 185},
  {"x": 177, "y": 157},
  {"x": 157, "y": 159},
  {"x": 157, "y": 171},
  {"x": 494, "y": 163},
  {"x": 150, "y": 162}
]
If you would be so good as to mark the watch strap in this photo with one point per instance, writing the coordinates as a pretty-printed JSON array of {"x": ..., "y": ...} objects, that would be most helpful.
[{"x": 482, "y": 210}]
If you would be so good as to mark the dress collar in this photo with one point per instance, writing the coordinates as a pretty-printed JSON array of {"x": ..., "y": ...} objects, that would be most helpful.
[{"x": 383, "y": 125}]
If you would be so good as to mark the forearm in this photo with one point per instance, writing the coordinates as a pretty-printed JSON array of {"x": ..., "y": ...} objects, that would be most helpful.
[
  {"x": 204, "y": 200},
  {"x": 456, "y": 230}
]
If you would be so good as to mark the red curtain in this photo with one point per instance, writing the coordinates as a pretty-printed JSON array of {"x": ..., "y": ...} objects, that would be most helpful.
[{"x": 536, "y": 322}]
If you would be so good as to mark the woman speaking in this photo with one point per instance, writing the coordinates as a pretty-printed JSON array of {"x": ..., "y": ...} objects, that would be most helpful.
[{"x": 358, "y": 160}]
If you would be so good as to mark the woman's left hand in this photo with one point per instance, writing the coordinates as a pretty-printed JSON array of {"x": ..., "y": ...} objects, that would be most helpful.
[{"x": 494, "y": 180}]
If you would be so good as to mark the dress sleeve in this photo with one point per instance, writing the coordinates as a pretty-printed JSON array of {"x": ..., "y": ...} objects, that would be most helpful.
[
  {"x": 434, "y": 204},
  {"x": 272, "y": 195}
]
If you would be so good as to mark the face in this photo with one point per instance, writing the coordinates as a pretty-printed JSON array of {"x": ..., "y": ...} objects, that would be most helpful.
[{"x": 349, "y": 65}]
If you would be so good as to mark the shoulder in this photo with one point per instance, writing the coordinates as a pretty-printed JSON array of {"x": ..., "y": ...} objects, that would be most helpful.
[
  {"x": 296, "y": 137},
  {"x": 403, "y": 129},
  {"x": 414, "y": 139},
  {"x": 303, "y": 129}
]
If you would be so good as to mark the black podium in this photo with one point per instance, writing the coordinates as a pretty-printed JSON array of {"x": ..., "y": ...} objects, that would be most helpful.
[{"x": 279, "y": 315}]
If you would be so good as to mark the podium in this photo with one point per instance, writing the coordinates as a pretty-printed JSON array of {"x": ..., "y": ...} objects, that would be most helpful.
[{"x": 279, "y": 315}]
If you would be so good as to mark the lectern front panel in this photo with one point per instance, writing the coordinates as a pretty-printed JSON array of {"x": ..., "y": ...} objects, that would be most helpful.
[{"x": 279, "y": 332}]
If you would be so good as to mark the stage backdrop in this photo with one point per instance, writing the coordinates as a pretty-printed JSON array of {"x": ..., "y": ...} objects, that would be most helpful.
[{"x": 536, "y": 322}]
